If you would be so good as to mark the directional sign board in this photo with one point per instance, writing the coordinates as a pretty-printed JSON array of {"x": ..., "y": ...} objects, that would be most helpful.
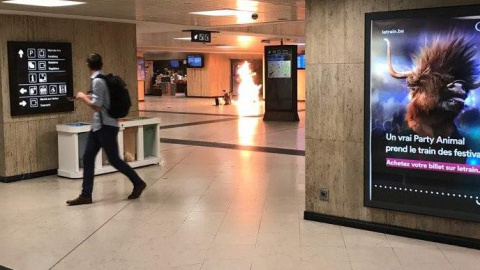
[
  {"x": 41, "y": 78},
  {"x": 201, "y": 36}
]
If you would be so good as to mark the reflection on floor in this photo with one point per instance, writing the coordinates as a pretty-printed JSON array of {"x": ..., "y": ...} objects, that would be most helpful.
[{"x": 205, "y": 208}]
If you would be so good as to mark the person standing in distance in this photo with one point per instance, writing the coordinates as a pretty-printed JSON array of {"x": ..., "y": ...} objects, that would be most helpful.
[{"x": 103, "y": 135}]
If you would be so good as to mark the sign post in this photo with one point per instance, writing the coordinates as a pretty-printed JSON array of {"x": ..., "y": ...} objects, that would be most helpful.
[
  {"x": 41, "y": 79},
  {"x": 201, "y": 36}
]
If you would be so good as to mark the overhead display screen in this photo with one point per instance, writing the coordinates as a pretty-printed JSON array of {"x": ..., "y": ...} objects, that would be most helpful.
[
  {"x": 40, "y": 76},
  {"x": 422, "y": 112},
  {"x": 174, "y": 64},
  {"x": 195, "y": 61},
  {"x": 301, "y": 62}
]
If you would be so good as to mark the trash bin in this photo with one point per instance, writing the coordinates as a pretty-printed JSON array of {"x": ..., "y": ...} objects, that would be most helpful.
[{"x": 149, "y": 141}]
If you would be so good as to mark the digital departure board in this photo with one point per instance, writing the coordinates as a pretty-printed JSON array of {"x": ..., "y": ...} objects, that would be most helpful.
[{"x": 41, "y": 79}]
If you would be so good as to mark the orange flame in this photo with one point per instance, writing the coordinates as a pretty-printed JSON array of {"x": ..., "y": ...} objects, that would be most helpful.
[
  {"x": 247, "y": 104},
  {"x": 248, "y": 91}
]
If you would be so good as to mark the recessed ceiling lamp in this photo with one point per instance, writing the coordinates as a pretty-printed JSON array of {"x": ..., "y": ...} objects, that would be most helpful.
[
  {"x": 222, "y": 12},
  {"x": 245, "y": 41},
  {"x": 226, "y": 47},
  {"x": 44, "y": 3}
]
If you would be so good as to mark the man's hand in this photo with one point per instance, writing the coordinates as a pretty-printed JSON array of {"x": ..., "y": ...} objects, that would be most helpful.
[
  {"x": 86, "y": 98},
  {"x": 81, "y": 95}
]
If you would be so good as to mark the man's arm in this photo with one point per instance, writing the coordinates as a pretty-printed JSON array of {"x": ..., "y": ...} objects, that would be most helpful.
[
  {"x": 95, "y": 101},
  {"x": 87, "y": 100}
]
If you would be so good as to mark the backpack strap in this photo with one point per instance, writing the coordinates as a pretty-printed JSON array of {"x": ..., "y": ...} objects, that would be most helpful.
[{"x": 103, "y": 77}]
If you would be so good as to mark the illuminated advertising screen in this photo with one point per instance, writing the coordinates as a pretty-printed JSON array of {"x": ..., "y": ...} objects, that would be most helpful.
[
  {"x": 422, "y": 112},
  {"x": 281, "y": 78}
]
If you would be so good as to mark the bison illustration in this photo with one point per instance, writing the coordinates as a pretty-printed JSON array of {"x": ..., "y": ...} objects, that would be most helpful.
[{"x": 444, "y": 72}]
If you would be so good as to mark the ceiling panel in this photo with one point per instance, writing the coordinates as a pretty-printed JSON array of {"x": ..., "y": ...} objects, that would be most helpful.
[
  {"x": 221, "y": 42},
  {"x": 177, "y": 11},
  {"x": 160, "y": 21}
]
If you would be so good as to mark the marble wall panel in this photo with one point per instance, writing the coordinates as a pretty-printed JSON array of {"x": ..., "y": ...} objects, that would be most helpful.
[
  {"x": 335, "y": 106},
  {"x": 36, "y": 135}
]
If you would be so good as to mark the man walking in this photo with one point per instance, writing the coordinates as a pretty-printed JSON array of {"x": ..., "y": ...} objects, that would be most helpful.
[{"x": 103, "y": 135}]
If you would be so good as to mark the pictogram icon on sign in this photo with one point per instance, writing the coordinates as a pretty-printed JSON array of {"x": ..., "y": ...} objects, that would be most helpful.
[
  {"x": 62, "y": 89},
  {"x": 31, "y": 53},
  {"x": 33, "y": 102},
  {"x": 32, "y": 78},
  {"x": 42, "y": 65},
  {"x": 42, "y": 53},
  {"x": 33, "y": 90},
  {"x": 43, "y": 90},
  {"x": 32, "y": 65},
  {"x": 53, "y": 89},
  {"x": 42, "y": 77}
]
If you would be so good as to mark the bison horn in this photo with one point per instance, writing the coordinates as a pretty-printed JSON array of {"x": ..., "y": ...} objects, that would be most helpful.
[{"x": 391, "y": 70}]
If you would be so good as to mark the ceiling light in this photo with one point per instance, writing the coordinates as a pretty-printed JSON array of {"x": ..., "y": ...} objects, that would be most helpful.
[
  {"x": 44, "y": 3},
  {"x": 244, "y": 41},
  {"x": 222, "y": 12},
  {"x": 183, "y": 38},
  {"x": 226, "y": 47}
]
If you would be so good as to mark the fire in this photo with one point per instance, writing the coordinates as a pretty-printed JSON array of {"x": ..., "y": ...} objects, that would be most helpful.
[
  {"x": 247, "y": 90},
  {"x": 247, "y": 104}
]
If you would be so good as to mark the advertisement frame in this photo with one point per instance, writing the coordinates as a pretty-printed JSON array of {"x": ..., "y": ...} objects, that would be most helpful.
[{"x": 454, "y": 11}]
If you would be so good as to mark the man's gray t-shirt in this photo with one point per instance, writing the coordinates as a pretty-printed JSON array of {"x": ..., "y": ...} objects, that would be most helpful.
[{"x": 101, "y": 98}]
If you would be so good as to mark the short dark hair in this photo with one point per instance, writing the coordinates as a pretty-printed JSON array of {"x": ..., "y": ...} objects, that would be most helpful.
[{"x": 95, "y": 62}]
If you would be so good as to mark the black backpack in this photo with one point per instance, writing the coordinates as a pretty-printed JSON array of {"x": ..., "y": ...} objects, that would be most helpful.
[{"x": 120, "y": 102}]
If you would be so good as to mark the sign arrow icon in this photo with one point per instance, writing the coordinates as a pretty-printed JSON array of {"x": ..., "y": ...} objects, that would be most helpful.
[
  {"x": 21, "y": 53},
  {"x": 23, "y": 91},
  {"x": 23, "y": 103}
]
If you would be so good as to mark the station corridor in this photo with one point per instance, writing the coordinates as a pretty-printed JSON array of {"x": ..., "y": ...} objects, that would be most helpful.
[{"x": 229, "y": 194}]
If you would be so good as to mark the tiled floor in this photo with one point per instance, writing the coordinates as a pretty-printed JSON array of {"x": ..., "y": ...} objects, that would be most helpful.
[{"x": 205, "y": 208}]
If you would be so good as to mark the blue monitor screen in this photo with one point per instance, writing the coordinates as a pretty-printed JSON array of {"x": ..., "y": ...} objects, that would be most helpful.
[
  {"x": 301, "y": 61},
  {"x": 195, "y": 61},
  {"x": 174, "y": 64}
]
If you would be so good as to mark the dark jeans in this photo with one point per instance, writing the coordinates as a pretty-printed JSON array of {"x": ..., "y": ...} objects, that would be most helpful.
[{"x": 105, "y": 138}]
